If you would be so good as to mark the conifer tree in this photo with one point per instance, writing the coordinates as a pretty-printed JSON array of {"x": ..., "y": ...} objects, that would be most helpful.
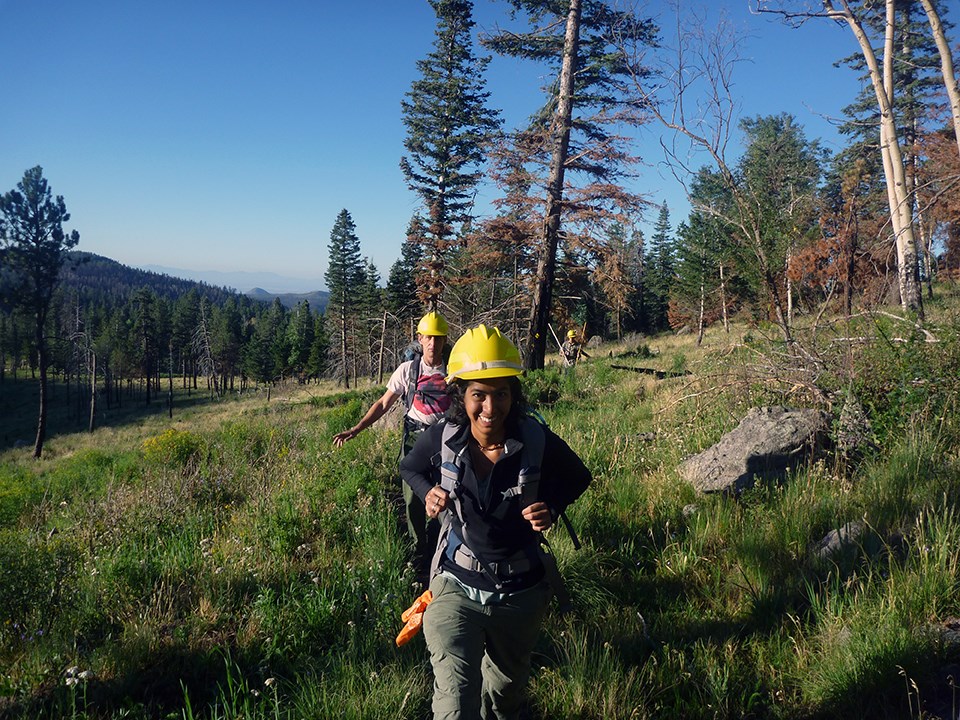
[
  {"x": 782, "y": 170},
  {"x": 617, "y": 280},
  {"x": 401, "y": 295},
  {"x": 701, "y": 288},
  {"x": 319, "y": 349},
  {"x": 300, "y": 337},
  {"x": 33, "y": 244},
  {"x": 448, "y": 125},
  {"x": 145, "y": 334},
  {"x": 266, "y": 354},
  {"x": 344, "y": 277},
  {"x": 581, "y": 157},
  {"x": 186, "y": 310},
  {"x": 660, "y": 272},
  {"x": 370, "y": 307},
  {"x": 227, "y": 340}
]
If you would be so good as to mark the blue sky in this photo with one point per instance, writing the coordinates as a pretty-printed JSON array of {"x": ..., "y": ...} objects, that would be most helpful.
[{"x": 218, "y": 135}]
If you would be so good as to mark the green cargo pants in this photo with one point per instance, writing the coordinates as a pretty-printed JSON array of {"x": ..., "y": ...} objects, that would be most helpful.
[{"x": 481, "y": 653}]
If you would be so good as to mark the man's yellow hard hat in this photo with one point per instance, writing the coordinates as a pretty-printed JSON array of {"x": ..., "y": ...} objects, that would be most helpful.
[
  {"x": 481, "y": 353},
  {"x": 571, "y": 334},
  {"x": 432, "y": 324}
]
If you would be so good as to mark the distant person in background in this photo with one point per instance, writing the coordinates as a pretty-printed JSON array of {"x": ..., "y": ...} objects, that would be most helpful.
[
  {"x": 421, "y": 383},
  {"x": 571, "y": 350},
  {"x": 499, "y": 478}
]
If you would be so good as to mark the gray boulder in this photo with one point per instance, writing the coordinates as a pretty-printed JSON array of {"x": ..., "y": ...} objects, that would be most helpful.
[
  {"x": 767, "y": 443},
  {"x": 839, "y": 541}
]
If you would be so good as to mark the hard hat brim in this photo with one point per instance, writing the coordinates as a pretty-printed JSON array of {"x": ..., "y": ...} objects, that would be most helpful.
[{"x": 485, "y": 370}]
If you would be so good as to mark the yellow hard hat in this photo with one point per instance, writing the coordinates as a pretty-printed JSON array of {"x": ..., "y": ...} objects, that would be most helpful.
[
  {"x": 432, "y": 324},
  {"x": 571, "y": 334},
  {"x": 483, "y": 352}
]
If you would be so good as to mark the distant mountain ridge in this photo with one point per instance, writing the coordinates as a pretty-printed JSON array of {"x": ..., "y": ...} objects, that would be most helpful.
[
  {"x": 244, "y": 281},
  {"x": 108, "y": 278},
  {"x": 317, "y": 299}
]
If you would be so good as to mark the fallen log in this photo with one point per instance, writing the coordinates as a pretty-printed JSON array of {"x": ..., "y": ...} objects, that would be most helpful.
[{"x": 661, "y": 374}]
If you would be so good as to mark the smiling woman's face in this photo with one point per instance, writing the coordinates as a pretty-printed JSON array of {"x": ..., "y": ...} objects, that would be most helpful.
[{"x": 488, "y": 403}]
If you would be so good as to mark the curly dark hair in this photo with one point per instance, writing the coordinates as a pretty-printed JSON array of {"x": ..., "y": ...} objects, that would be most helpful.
[{"x": 457, "y": 412}]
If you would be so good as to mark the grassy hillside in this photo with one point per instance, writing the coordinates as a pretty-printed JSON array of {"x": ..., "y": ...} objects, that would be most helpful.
[{"x": 233, "y": 564}]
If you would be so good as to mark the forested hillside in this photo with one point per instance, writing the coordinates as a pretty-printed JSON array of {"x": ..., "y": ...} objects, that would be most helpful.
[
  {"x": 119, "y": 329},
  {"x": 102, "y": 281}
]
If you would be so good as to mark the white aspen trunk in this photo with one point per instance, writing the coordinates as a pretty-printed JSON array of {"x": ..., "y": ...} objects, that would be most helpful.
[
  {"x": 93, "y": 392},
  {"x": 703, "y": 292},
  {"x": 723, "y": 301},
  {"x": 885, "y": 140},
  {"x": 383, "y": 343},
  {"x": 911, "y": 298},
  {"x": 789, "y": 290},
  {"x": 926, "y": 242},
  {"x": 946, "y": 65}
]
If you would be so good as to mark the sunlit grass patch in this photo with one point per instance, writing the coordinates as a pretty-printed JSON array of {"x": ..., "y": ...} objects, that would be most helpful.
[
  {"x": 589, "y": 677},
  {"x": 18, "y": 491}
]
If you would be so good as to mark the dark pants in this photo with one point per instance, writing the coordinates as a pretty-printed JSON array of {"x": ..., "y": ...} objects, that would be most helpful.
[{"x": 422, "y": 530}]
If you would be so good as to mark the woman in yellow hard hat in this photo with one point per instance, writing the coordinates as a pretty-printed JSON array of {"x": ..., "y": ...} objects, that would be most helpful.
[{"x": 497, "y": 478}]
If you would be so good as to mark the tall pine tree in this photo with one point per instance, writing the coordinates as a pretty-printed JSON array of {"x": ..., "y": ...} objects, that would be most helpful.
[
  {"x": 660, "y": 272},
  {"x": 401, "y": 295},
  {"x": 573, "y": 140},
  {"x": 344, "y": 277},
  {"x": 33, "y": 245},
  {"x": 448, "y": 125}
]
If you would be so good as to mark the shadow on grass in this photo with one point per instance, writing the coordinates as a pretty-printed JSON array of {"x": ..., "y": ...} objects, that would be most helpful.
[{"x": 68, "y": 411}]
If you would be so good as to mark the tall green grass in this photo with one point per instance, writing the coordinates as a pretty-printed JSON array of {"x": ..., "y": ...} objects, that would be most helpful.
[{"x": 235, "y": 564}]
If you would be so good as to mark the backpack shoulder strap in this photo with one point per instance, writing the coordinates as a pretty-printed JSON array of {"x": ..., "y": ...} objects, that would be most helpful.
[
  {"x": 451, "y": 467},
  {"x": 534, "y": 441},
  {"x": 412, "y": 380}
]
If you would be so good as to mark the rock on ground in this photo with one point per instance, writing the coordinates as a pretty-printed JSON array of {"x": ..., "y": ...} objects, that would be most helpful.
[{"x": 767, "y": 443}]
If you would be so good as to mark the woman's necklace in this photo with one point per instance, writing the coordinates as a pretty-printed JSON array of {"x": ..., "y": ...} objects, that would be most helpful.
[{"x": 488, "y": 448}]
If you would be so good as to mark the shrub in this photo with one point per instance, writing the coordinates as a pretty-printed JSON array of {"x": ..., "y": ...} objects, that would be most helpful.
[
  {"x": 176, "y": 447},
  {"x": 913, "y": 382},
  {"x": 17, "y": 492},
  {"x": 37, "y": 582},
  {"x": 542, "y": 388}
]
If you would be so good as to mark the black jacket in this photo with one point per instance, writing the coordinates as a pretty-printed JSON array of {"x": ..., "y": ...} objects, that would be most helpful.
[{"x": 497, "y": 531}]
